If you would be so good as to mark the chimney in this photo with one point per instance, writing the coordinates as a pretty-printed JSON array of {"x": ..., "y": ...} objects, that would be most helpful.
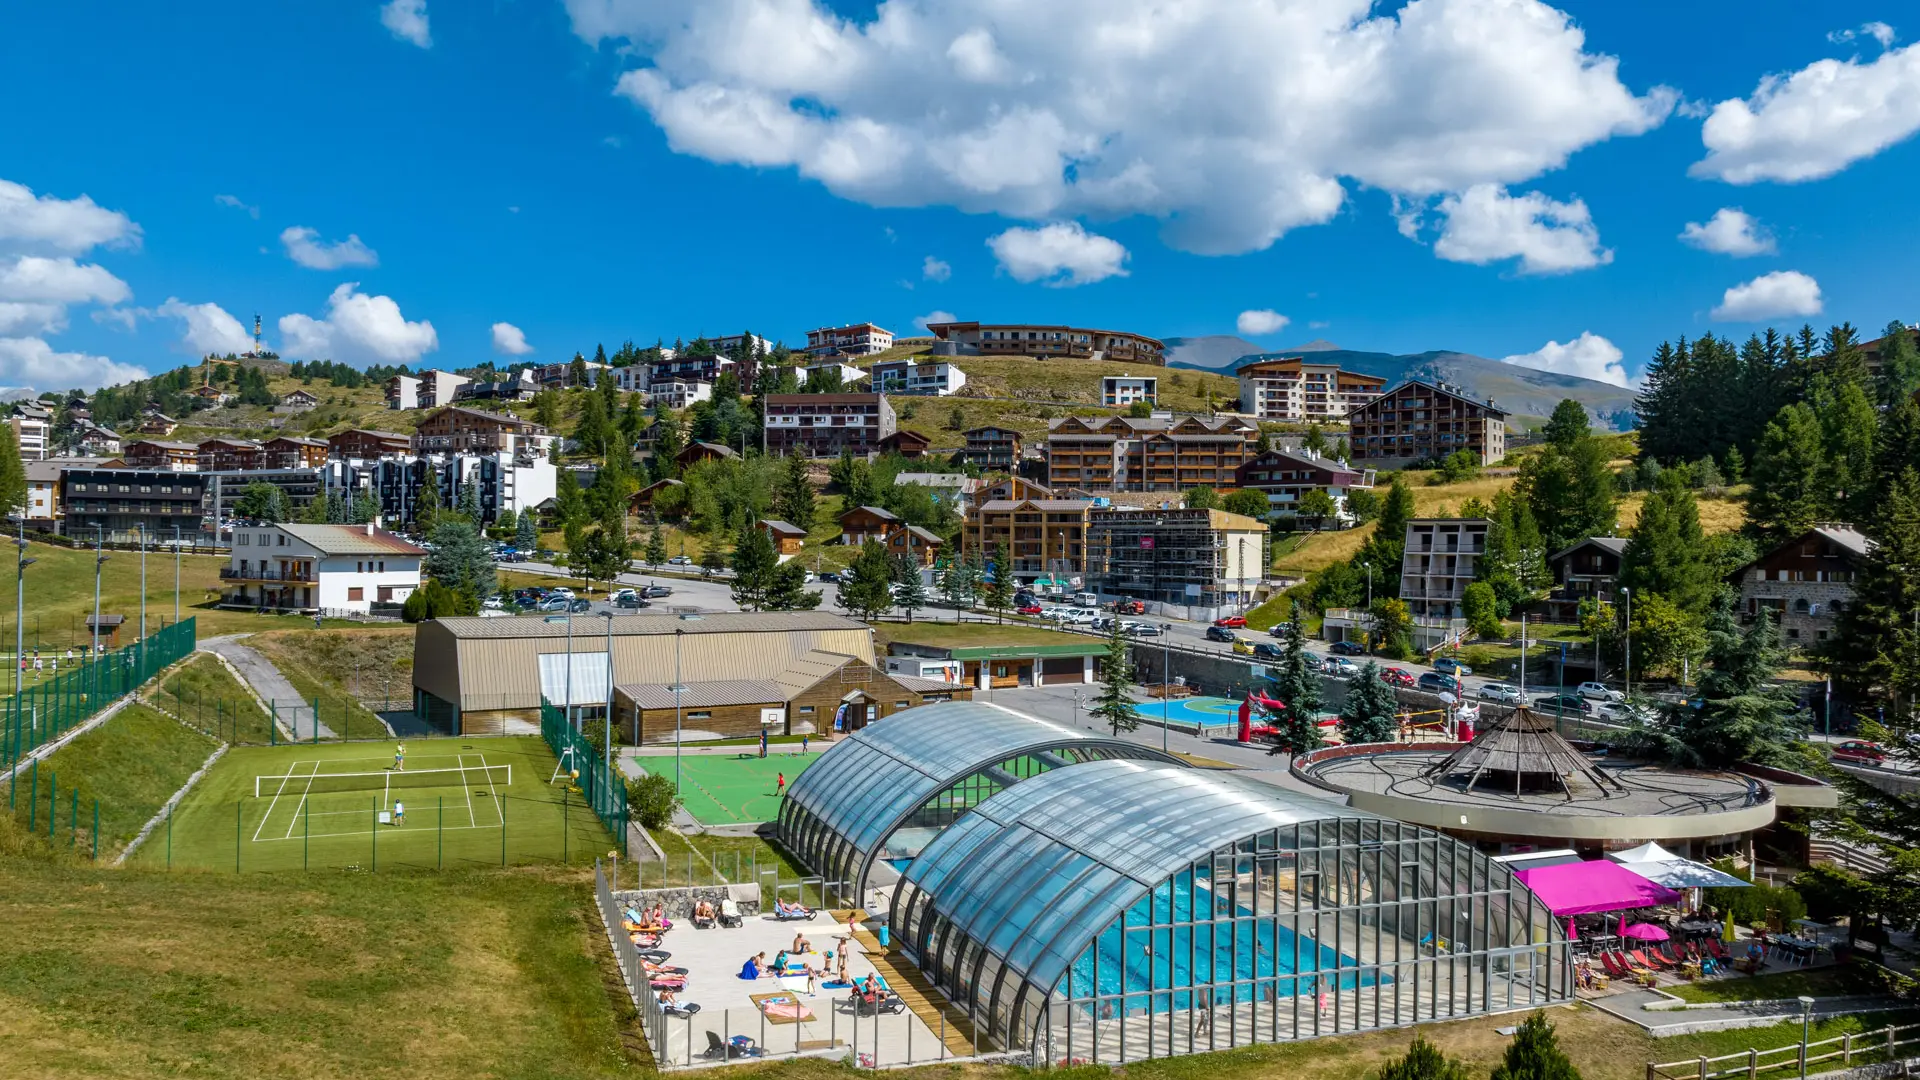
[{"x": 369, "y": 528}]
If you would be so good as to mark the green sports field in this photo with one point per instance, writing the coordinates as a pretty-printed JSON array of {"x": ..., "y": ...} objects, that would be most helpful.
[
  {"x": 466, "y": 803},
  {"x": 730, "y": 789}
]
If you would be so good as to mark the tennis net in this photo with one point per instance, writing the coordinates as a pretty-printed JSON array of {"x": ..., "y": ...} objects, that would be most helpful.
[{"x": 385, "y": 780}]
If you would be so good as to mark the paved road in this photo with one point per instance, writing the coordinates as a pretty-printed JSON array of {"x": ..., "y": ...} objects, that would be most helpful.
[{"x": 272, "y": 686}]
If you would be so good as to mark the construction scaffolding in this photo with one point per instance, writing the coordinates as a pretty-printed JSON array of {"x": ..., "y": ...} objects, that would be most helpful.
[{"x": 1195, "y": 558}]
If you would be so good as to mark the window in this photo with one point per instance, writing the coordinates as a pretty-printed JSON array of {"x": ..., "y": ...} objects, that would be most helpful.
[
  {"x": 805, "y": 710},
  {"x": 699, "y": 716},
  {"x": 246, "y": 539},
  {"x": 356, "y": 593}
]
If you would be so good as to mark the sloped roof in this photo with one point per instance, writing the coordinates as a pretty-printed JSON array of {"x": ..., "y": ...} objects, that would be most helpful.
[
  {"x": 877, "y": 511},
  {"x": 781, "y": 528},
  {"x": 1615, "y": 544},
  {"x": 1528, "y": 748},
  {"x": 351, "y": 540}
]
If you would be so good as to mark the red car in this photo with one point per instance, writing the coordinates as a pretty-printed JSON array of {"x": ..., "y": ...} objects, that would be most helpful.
[
  {"x": 1232, "y": 622},
  {"x": 1030, "y": 609},
  {"x": 1393, "y": 676},
  {"x": 1860, "y": 753}
]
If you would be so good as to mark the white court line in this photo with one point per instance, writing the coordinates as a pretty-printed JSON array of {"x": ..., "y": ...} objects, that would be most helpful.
[
  {"x": 297, "y": 806},
  {"x": 276, "y": 794},
  {"x": 390, "y": 830},
  {"x": 467, "y": 789},
  {"x": 494, "y": 792}
]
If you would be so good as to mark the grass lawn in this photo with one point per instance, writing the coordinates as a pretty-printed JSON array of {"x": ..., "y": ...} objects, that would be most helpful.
[
  {"x": 132, "y": 764},
  {"x": 404, "y": 976},
  {"x": 343, "y": 669},
  {"x": 730, "y": 789},
  {"x": 203, "y": 693},
  {"x": 482, "y": 819},
  {"x": 970, "y": 635},
  {"x": 1838, "y": 981},
  {"x": 706, "y": 858}
]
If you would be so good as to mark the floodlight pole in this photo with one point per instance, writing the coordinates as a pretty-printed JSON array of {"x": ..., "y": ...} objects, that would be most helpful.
[
  {"x": 176, "y": 574},
  {"x": 569, "y": 682},
  {"x": 143, "y": 583},
  {"x": 608, "y": 615},
  {"x": 19, "y": 614},
  {"x": 1627, "y": 674},
  {"x": 677, "y": 687},
  {"x": 99, "y": 561}
]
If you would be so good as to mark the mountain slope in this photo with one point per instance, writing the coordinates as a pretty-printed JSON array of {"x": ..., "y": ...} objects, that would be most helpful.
[{"x": 1524, "y": 391}]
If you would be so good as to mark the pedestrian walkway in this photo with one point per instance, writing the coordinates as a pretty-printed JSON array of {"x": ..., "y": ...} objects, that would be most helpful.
[
  {"x": 292, "y": 710},
  {"x": 912, "y": 986},
  {"x": 1661, "y": 1023}
]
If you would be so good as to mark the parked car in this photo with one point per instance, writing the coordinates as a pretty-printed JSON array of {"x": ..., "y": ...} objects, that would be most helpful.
[
  {"x": 631, "y": 601},
  {"x": 1594, "y": 691},
  {"x": 1243, "y": 646},
  {"x": 1234, "y": 622},
  {"x": 1435, "y": 683},
  {"x": 1279, "y": 629},
  {"x": 1267, "y": 650},
  {"x": 655, "y": 592},
  {"x": 1450, "y": 666},
  {"x": 1394, "y": 676},
  {"x": 616, "y": 595},
  {"x": 561, "y": 590},
  {"x": 1080, "y": 616},
  {"x": 1221, "y": 633},
  {"x": 1860, "y": 752},
  {"x": 679, "y": 560},
  {"x": 1342, "y": 667},
  {"x": 1143, "y": 629},
  {"x": 494, "y": 603},
  {"x": 1504, "y": 693},
  {"x": 1562, "y": 704},
  {"x": 1316, "y": 663},
  {"x": 579, "y": 604},
  {"x": 552, "y": 603},
  {"x": 1348, "y": 648},
  {"x": 1027, "y": 609}
]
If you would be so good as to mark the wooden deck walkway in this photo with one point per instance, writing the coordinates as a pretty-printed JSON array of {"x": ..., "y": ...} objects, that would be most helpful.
[{"x": 913, "y": 987}]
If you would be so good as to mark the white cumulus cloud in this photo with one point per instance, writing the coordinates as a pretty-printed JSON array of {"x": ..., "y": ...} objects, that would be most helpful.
[
  {"x": 1781, "y": 294},
  {"x": 1589, "y": 356},
  {"x": 37, "y": 278},
  {"x": 1261, "y": 321},
  {"x": 932, "y": 317},
  {"x": 1254, "y": 121},
  {"x": 209, "y": 329},
  {"x": 1484, "y": 224},
  {"x": 407, "y": 21},
  {"x": 510, "y": 340},
  {"x": 1878, "y": 31},
  {"x": 70, "y": 226},
  {"x": 935, "y": 269},
  {"x": 34, "y": 318},
  {"x": 357, "y": 327},
  {"x": 1059, "y": 255},
  {"x": 305, "y": 247},
  {"x": 31, "y": 362},
  {"x": 1814, "y": 122},
  {"x": 1730, "y": 231}
]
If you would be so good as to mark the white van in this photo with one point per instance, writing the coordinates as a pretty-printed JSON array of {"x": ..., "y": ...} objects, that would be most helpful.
[{"x": 1086, "y": 600}]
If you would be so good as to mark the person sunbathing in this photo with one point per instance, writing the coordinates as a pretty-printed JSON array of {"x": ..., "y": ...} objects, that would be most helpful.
[
  {"x": 703, "y": 913},
  {"x": 801, "y": 945},
  {"x": 782, "y": 909}
]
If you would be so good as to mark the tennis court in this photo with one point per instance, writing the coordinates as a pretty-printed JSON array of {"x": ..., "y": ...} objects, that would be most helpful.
[
  {"x": 730, "y": 789},
  {"x": 458, "y": 802}
]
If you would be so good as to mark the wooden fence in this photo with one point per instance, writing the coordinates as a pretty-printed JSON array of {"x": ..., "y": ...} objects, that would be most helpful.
[{"x": 1883, "y": 1044}]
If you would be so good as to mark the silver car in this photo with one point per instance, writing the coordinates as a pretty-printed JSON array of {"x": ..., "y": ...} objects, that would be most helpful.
[{"x": 1504, "y": 693}]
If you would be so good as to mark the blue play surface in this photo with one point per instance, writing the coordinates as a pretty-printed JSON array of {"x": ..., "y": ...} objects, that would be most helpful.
[
  {"x": 1194, "y": 711},
  {"x": 1243, "y": 951}
]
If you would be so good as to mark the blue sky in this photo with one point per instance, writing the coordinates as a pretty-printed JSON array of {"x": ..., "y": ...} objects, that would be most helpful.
[{"x": 1494, "y": 176}]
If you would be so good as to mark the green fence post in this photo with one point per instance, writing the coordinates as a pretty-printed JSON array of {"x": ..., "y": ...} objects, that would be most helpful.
[
  {"x": 502, "y": 804},
  {"x": 440, "y": 839},
  {"x": 53, "y": 801},
  {"x": 273, "y": 724},
  {"x": 237, "y": 804},
  {"x": 566, "y": 821},
  {"x": 316, "y": 721},
  {"x": 376, "y": 814},
  {"x": 169, "y": 839}
]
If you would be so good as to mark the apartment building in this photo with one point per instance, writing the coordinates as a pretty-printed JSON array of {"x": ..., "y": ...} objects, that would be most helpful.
[
  {"x": 1160, "y": 453},
  {"x": 119, "y": 502},
  {"x": 425, "y": 390},
  {"x": 291, "y": 452},
  {"x": 458, "y": 430},
  {"x": 1440, "y": 561},
  {"x": 32, "y": 429},
  {"x": 679, "y": 393},
  {"x": 858, "y": 339},
  {"x": 1030, "y": 339},
  {"x": 1804, "y": 583},
  {"x": 1294, "y": 390},
  {"x": 933, "y": 378},
  {"x": 319, "y": 568},
  {"x": 993, "y": 448},
  {"x": 1193, "y": 564},
  {"x": 1122, "y": 391},
  {"x": 229, "y": 455},
  {"x": 503, "y": 480},
  {"x": 44, "y": 486},
  {"x": 225, "y": 489},
  {"x": 1286, "y": 475},
  {"x": 159, "y": 454},
  {"x": 1420, "y": 420},
  {"x": 518, "y": 386},
  {"x": 634, "y": 378},
  {"x": 1045, "y": 537},
  {"x": 825, "y": 425},
  {"x": 95, "y": 441},
  {"x": 366, "y": 443},
  {"x": 688, "y": 368}
]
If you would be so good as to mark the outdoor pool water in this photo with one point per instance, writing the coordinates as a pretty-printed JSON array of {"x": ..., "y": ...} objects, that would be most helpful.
[
  {"x": 1194, "y": 711},
  {"x": 1246, "y": 951}
]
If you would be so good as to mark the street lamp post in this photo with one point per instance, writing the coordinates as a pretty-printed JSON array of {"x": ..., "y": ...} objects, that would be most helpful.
[
  {"x": 99, "y": 560},
  {"x": 677, "y": 688},
  {"x": 1626, "y": 675},
  {"x": 20, "y": 614},
  {"x": 1366, "y": 630},
  {"x": 1166, "y": 679},
  {"x": 1806, "y": 1025},
  {"x": 143, "y": 584}
]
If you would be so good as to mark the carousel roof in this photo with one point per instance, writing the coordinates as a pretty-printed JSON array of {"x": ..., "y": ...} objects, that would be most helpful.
[{"x": 1526, "y": 748}]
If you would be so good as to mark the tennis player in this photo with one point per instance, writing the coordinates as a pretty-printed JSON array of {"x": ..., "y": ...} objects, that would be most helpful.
[
  {"x": 399, "y": 812},
  {"x": 400, "y": 757}
]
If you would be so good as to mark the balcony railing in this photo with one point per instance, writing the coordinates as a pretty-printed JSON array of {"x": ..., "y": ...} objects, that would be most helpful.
[{"x": 264, "y": 573}]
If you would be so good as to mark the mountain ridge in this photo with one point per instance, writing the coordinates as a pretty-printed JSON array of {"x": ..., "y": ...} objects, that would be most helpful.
[{"x": 1524, "y": 391}]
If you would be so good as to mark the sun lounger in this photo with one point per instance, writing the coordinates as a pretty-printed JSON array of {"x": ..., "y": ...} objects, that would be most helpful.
[{"x": 730, "y": 913}]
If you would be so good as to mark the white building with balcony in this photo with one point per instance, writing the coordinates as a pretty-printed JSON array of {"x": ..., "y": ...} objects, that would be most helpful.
[
  {"x": 935, "y": 378},
  {"x": 1122, "y": 391},
  {"x": 1441, "y": 559},
  {"x": 319, "y": 568}
]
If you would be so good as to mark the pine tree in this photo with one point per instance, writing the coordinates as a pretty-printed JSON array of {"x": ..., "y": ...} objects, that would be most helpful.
[
  {"x": 1789, "y": 467},
  {"x": 911, "y": 595},
  {"x": 1534, "y": 1054},
  {"x": 1875, "y": 646},
  {"x": 1000, "y": 589},
  {"x": 526, "y": 533},
  {"x": 1368, "y": 716},
  {"x": 470, "y": 501},
  {"x": 569, "y": 503},
  {"x": 1568, "y": 425},
  {"x": 656, "y": 553},
  {"x": 1848, "y": 427},
  {"x": 1296, "y": 685},
  {"x": 365, "y": 508},
  {"x": 754, "y": 561},
  {"x": 794, "y": 501},
  {"x": 13, "y": 472},
  {"x": 788, "y": 591},
  {"x": 870, "y": 593},
  {"x": 1667, "y": 552},
  {"x": 1114, "y": 703},
  {"x": 1899, "y": 364},
  {"x": 1316, "y": 440},
  {"x": 1736, "y": 465},
  {"x": 1742, "y": 715},
  {"x": 1424, "y": 1061}
]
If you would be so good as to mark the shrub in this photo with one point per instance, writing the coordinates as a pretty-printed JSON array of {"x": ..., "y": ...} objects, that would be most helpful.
[{"x": 651, "y": 801}]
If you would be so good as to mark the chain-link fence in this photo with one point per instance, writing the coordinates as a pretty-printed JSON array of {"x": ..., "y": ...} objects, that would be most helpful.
[
  {"x": 601, "y": 785},
  {"x": 46, "y": 708}
]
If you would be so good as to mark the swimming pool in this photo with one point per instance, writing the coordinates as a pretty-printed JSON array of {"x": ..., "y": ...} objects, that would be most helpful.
[
  {"x": 1194, "y": 711},
  {"x": 1160, "y": 963}
]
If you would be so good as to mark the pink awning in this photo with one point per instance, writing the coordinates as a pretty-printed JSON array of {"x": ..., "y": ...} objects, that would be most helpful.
[{"x": 1586, "y": 887}]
